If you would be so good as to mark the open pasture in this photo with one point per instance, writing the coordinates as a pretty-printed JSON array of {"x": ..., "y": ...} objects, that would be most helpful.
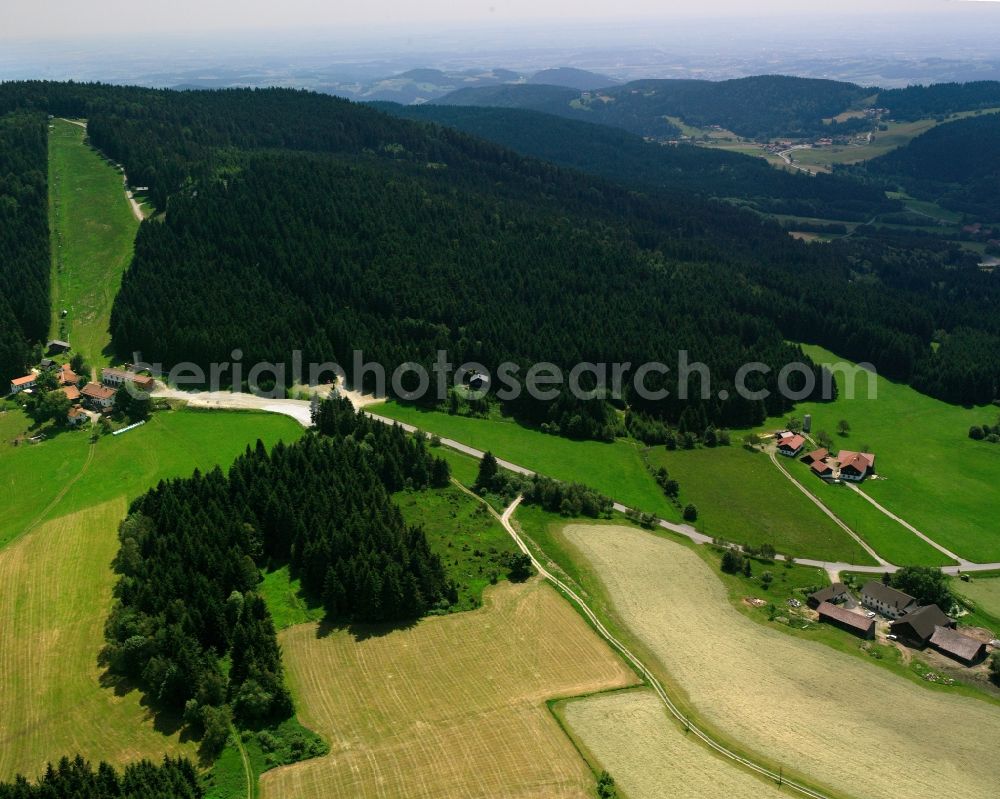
[
  {"x": 453, "y": 706},
  {"x": 931, "y": 473},
  {"x": 93, "y": 232},
  {"x": 631, "y": 736},
  {"x": 828, "y": 716},
  {"x": 54, "y": 697}
]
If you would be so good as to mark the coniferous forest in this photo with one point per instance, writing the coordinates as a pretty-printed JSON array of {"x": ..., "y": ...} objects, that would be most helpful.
[
  {"x": 192, "y": 551},
  {"x": 24, "y": 240},
  {"x": 77, "y": 779}
]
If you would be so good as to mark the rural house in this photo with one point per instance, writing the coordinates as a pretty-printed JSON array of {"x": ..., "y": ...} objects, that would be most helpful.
[
  {"x": 845, "y": 619},
  {"x": 856, "y": 466},
  {"x": 833, "y": 594},
  {"x": 116, "y": 378},
  {"x": 97, "y": 396},
  {"x": 963, "y": 648},
  {"x": 886, "y": 600},
  {"x": 790, "y": 445},
  {"x": 19, "y": 384},
  {"x": 76, "y": 416},
  {"x": 67, "y": 377},
  {"x": 72, "y": 393},
  {"x": 917, "y": 627}
]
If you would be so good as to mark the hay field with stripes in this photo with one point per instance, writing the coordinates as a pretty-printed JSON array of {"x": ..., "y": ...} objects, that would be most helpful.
[
  {"x": 453, "y": 706},
  {"x": 55, "y": 593},
  {"x": 825, "y": 715}
]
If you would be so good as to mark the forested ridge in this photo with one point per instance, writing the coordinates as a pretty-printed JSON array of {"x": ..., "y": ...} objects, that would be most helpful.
[
  {"x": 626, "y": 158},
  {"x": 189, "y": 622},
  {"x": 24, "y": 240},
  {"x": 956, "y": 165},
  {"x": 763, "y": 106}
]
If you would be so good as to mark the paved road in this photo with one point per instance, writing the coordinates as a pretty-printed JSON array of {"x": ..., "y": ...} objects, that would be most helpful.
[
  {"x": 962, "y": 562},
  {"x": 654, "y": 683},
  {"x": 836, "y": 520},
  {"x": 300, "y": 411}
]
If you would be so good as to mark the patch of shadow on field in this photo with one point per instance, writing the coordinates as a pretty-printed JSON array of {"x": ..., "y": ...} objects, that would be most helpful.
[
  {"x": 363, "y": 632},
  {"x": 164, "y": 720}
]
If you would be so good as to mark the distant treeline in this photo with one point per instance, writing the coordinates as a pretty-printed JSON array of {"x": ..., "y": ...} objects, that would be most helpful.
[
  {"x": 940, "y": 99},
  {"x": 24, "y": 241},
  {"x": 77, "y": 779},
  {"x": 192, "y": 550}
]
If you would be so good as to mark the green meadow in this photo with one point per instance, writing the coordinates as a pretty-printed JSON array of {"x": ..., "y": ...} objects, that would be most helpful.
[
  {"x": 616, "y": 469},
  {"x": 930, "y": 472},
  {"x": 741, "y": 497},
  {"x": 67, "y": 473},
  {"x": 93, "y": 232}
]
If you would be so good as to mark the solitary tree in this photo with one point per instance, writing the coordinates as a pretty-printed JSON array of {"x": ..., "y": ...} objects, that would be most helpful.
[
  {"x": 489, "y": 469},
  {"x": 843, "y": 427},
  {"x": 690, "y": 513}
]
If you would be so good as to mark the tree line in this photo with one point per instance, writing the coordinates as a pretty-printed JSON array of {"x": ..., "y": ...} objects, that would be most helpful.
[
  {"x": 77, "y": 779},
  {"x": 24, "y": 241},
  {"x": 189, "y": 622}
]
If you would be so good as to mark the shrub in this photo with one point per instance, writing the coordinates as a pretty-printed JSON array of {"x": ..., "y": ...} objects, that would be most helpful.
[{"x": 690, "y": 513}]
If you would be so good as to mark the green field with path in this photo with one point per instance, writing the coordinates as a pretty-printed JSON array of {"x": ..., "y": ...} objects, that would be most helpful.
[{"x": 93, "y": 233}]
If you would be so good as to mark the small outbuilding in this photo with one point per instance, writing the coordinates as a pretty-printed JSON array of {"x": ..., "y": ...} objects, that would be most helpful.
[
  {"x": 791, "y": 445},
  {"x": 963, "y": 648},
  {"x": 855, "y": 623},
  {"x": 834, "y": 594},
  {"x": 57, "y": 347},
  {"x": 816, "y": 455},
  {"x": 822, "y": 470}
]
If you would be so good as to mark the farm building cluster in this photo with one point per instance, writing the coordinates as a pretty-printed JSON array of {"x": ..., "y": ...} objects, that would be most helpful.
[
  {"x": 88, "y": 399},
  {"x": 854, "y": 467},
  {"x": 910, "y": 623}
]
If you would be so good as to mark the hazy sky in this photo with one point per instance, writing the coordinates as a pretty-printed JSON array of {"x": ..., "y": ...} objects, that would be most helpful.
[{"x": 45, "y": 19}]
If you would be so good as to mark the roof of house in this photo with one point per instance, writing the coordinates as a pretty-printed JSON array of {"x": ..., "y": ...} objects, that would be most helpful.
[
  {"x": 828, "y": 593},
  {"x": 924, "y": 619},
  {"x": 955, "y": 643},
  {"x": 792, "y": 442},
  {"x": 98, "y": 392},
  {"x": 57, "y": 343},
  {"x": 887, "y": 594},
  {"x": 145, "y": 382},
  {"x": 23, "y": 381},
  {"x": 47, "y": 363},
  {"x": 76, "y": 413},
  {"x": 68, "y": 375},
  {"x": 121, "y": 374},
  {"x": 818, "y": 454},
  {"x": 72, "y": 392},
  {"x": 862, "y": 461},
  {"x": 855, "y": 620},
  {"x": 820, "y": 467}
]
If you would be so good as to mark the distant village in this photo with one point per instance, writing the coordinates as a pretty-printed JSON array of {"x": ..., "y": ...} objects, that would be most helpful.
[{"x": 88, "y": 400}]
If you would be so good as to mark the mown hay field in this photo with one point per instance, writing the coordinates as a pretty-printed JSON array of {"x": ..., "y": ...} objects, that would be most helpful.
[
  {"x": 453, "y": 706},
  {"x": 54, "y": 697},
  {"x": 854, "y": 727},
  {"x": 630, "y": 734}
]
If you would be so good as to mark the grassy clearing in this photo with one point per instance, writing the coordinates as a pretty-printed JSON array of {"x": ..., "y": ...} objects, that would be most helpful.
[
  {"x": 171, "y": 444},
  {"x": 93, "y": 232},
  {"x": 982, "y": 593},
  {"x": 453, "y": 706},
  {"x": 54, "y": 696},
  {"x": 614, "y": 469},
  {"x": 935, "y": 477},
  {"x": 631, "y": 735},
  {"x": 464, "y": 534},
  {"x": 742, "y": 498},
  {"x": 675, "y": 606}
]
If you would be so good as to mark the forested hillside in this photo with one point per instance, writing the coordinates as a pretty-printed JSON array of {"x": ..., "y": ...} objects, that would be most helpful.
[
  {"x": 762, "y": 106},
  {"x": 619, "y": 155},
  {"x": 956, "y": 165},
  {"x": 940, "y": 99},
  {"x": 399, "y": 238},
  {"x": 24, "y": 240},
  {"x": 192, "y": 550}
]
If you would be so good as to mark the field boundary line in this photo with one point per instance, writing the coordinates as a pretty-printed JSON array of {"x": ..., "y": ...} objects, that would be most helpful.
[
  {"x": 639, "y": 666},
  {"x": 58, "y": 497}
]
